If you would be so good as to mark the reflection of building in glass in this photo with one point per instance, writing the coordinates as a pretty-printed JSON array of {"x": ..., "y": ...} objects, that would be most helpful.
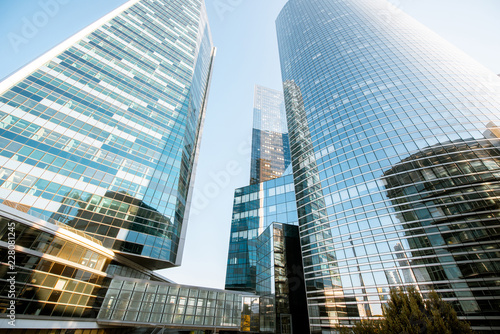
[
  {"x": 260, "y": 259},
  {"x": 367, "y": 90},
  {"x": 311, "y": 208},
  {"x": 446, "y": 196},
  {"x": 134, "y": 226},
  {"x": 280, "y": 281},
  {"x": 58, "y": 273},
  {"x": 270, "y": 147},
  {"x": 98, "y": 143},
  {"x": 250, "y": 317}
]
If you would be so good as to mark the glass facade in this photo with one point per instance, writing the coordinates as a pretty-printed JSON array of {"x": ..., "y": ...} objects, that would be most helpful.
[
  {"x": 280, "y": 281},
  {"x": 395, "y": 160},
  {"x": 103, "y": 134},
  {"x": 262, "y": 260},
  {"x": 57, "y": 273},
  {"x": 60, "y": 275},
  {"x": 137, "y": 301},
  {"x": 255, "y": 208},
  {"x": 270, "y": 145}
]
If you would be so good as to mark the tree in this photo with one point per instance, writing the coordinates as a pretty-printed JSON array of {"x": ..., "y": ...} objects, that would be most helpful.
[{"x": 407, "y": 313}]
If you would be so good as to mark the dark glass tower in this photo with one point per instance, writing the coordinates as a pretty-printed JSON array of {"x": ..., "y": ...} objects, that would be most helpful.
[
  {"x": 270, "y": 146},
  {"x": 395, "y": 162},
  {"x": 280, "y": 281}
]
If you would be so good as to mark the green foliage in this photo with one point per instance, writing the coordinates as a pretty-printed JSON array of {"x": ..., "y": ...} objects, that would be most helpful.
[
  {"x": 407, "y": 313},
  {"x": 368, "y": 327},
  {"x": 442, "y": 318}
]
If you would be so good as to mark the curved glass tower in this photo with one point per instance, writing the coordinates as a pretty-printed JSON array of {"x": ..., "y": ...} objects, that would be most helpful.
[{"x": 394, "y": 141}]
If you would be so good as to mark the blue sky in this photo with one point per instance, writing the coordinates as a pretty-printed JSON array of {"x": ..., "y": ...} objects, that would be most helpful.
[{"x": 244, "y": 33}]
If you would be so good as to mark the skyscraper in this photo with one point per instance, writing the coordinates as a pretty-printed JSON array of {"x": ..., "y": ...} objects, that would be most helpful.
[
  {"x": 270, "y": 146},
  {"x": 98, "y": 143},
  {"x": 265, "y": 200},
  {"x": 264, "y": 252},
  {"x": 101, "y": 133},
  {"x": 395, "y": 161}
]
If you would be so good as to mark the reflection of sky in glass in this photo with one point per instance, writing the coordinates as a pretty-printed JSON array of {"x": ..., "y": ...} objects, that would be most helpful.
[
  {"x": 270, "y": 145},
  {"x": 377, "y": 90},
  {"x": 255, "y": 208},
  {"x": 101, "y": 133}
]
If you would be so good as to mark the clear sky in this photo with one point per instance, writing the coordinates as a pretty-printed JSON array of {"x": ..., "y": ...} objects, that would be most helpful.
[{"x": 244, "y": 33}]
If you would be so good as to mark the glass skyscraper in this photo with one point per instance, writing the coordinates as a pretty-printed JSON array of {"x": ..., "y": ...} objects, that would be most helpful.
[
  {"x": 102, "y": 132},
  {"x": 99, "y": 139},
  {"x": 394, "y": 141},
  {"x": 270, "y": 145},
  {"x": 264, "y": 247},
  {"x": 270, "y": 197},
  {"x": 264, "y": 254}
]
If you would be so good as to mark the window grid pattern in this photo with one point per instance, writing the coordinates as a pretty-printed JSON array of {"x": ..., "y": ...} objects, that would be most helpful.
[
  {"x": 280, "y": 281},
  {"x": 118, "y": 112},
  {"x": 153, "y": 302},
  {"x": 66, "y": 283},
  {"x": 255, "y": 208},
  {"x": 373, "y": 97},
  {"x": 270, "y": 145}
]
